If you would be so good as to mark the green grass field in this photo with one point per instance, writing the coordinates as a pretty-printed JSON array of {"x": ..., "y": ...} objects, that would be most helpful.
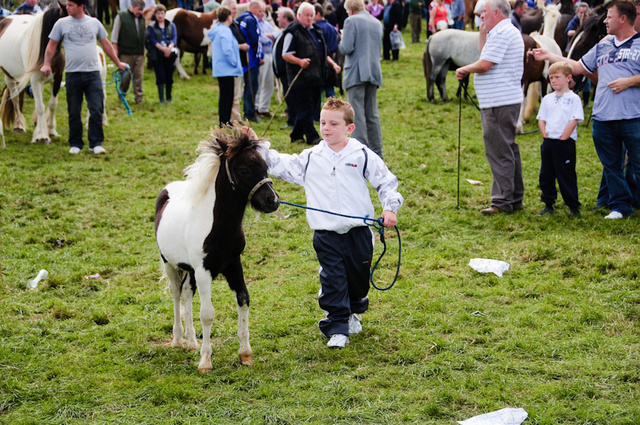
[{"x": 557, "y": 335}]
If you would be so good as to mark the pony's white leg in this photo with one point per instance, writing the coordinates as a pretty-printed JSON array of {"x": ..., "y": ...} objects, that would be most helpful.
[
  {"x": 244, "y": 352},
  {"x": 520, "y": 123},
  {"x": 207, "y": 313},
  {"x": 19, "y": 123},
  {"x": 40, "y": 133},
  {"x": 174, "y": 286},
  {"x": 51, "y": 116},
  {"x": 187, "y": 299},
  {"x": 181, "y": 71},
  {"x": 532, "y": 99},
  {"x": 2, "y": 135}
]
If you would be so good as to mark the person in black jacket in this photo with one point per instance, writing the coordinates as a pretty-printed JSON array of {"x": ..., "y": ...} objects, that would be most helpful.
[
  {"x": 305, "y": 52},
  {"x": 392, "y": 23}
]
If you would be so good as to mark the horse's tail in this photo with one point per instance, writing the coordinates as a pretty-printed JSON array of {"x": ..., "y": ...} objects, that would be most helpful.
[
  {"x": 7, "y": 110},
  {"x": 426, "y": 61}
]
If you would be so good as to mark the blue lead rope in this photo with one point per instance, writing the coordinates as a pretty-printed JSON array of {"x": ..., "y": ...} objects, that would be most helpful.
[
  {"x": 378, "y": 224},
  {"x": 117, "y": 79}
]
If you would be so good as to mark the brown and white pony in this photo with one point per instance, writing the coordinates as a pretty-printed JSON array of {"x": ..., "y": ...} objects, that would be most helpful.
[
  {"x": 23, "y": 40},
  {"x": 192, "y": 28},
  {"x": 199, "y": 232}
]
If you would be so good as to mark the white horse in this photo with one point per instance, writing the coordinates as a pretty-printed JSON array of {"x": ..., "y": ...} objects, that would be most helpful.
[
  {"x": 199, "y": 232},
  {"x": 23, "y": 39},
  {"x": 446, "y": 49}
]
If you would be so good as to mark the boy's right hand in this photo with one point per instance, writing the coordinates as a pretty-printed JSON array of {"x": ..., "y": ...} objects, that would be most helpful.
[{"x": 249, "y": 132}]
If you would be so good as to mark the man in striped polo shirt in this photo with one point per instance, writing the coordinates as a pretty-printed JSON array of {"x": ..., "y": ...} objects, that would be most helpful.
[{"x": 497, "y": 83}]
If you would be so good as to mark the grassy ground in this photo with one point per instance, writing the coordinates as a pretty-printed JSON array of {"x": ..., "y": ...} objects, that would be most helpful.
[{"x": 557, "y": 335}]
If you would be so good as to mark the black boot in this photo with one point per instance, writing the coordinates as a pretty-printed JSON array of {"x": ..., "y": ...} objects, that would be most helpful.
[
  {"x": 169, "y": 86},
  {"x": 161, "y": 93}
]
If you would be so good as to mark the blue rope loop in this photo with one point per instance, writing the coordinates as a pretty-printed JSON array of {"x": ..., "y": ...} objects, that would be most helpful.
[
  {"x": 377, "y": 223},
  {"x": 117, "y": 77}
]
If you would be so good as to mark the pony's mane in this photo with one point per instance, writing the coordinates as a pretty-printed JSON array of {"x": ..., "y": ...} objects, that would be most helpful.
[
  {"x": 593, "y": 30},
  {"x": 226, "y": 141}
]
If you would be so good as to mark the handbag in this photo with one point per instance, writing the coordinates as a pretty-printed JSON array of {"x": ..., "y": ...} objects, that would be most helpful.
[{"x": 397, "y": 42}]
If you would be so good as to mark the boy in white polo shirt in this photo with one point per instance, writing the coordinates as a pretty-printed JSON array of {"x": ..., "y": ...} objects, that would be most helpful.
[{"x": 558, "y": 118}]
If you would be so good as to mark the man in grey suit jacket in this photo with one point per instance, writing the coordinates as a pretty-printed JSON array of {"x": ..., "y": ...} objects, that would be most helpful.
[{"x": 361, "y": 44}]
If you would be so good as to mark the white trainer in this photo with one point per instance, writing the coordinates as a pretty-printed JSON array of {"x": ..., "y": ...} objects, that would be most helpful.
[
  {"x": 338, "y": 341},
  {"x": 74, "y": 150},
  {"x": 355, "y": 327},
  {"x": 614, "y": 215},
  {"x": 97, "y": 149}
]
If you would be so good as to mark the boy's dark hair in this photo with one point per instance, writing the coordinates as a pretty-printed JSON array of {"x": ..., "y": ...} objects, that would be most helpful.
[
  {"x": 79, "y": 2},
  {"x": 625, "y": 8},
  {"x": 335, "y": 104},
  {"x": 223, "y": 13},
  {"x": 517, "y": 4}
]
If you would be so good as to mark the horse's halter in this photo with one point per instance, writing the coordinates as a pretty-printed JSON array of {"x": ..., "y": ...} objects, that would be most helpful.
[{"x": 252, "y": 191}]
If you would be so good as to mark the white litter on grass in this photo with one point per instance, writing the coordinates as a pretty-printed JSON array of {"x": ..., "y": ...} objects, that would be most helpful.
[
  {"x": 484, "y": 265},
  {"x": 474, "y": 182},
  {"x": 508, "y": 416}
]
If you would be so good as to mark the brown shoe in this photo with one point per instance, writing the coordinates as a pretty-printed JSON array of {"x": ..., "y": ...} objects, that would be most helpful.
[{"x": 492, "y": 210}]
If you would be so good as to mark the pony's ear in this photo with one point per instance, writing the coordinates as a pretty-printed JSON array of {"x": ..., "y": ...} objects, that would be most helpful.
[{"x": 222, "y": 146}]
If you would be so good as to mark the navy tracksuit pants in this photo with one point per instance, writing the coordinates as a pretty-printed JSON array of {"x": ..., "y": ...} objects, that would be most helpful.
[
  {"x": 345, "y": 262},
  {"x": 558, "y": 162}
]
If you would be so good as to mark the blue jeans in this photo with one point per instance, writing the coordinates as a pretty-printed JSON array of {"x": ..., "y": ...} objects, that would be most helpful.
[
  {"x": 610, "y": 139},
  {"x": 250, "y": 91},
  {"x": 89, "y": 85}
]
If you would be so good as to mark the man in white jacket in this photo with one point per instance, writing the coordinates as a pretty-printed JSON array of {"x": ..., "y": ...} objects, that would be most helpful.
[{"x": 334, "y": 175}]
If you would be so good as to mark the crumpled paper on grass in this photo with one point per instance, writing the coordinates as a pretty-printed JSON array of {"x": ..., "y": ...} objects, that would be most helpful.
[
  {"x": 484, "y": 265},
  {"x": 507, "y": 416}
]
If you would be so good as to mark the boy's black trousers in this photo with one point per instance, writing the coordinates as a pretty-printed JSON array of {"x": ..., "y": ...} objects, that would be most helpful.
[
  {"x": 558, "y": 162},
  {"x": 345, "y": 261}
]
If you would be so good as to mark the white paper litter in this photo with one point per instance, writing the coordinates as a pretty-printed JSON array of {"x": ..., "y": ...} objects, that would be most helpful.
[
  {"x": 484, "y": 265},
  {"x": 508, "y": 416}
]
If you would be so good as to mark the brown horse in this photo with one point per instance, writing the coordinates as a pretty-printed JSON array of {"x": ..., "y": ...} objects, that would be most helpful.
[{"x": 192, "y": 28}]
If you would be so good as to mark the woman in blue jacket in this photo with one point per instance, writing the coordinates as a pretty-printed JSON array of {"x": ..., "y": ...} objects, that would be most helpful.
[{"x": 225, "y": 63}]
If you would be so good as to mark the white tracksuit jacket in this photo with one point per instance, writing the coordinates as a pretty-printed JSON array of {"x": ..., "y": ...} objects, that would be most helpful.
[{"x": 337, "y": 182}]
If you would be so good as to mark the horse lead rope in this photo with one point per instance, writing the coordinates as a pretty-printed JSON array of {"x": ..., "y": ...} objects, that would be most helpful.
[
  {"x": 378, "y": 224},
  {"x": 116, "y": 74}
]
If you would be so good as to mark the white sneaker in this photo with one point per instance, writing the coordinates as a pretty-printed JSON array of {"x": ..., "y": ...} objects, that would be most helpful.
[
  {"x": 355, "y": 327},
  {"x": 338, "y": 341},
  {"x": 97, "y": 149},
  {"x": 614, "y": 215},
  {"x": 74, "y": 150}
]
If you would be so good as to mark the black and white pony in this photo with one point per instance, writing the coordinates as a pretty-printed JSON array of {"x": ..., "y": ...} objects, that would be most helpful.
[{"x": 199, "y": 232}]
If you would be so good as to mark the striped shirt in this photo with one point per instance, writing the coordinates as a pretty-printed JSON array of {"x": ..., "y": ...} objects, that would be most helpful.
[{"x": 501, "y": 85}]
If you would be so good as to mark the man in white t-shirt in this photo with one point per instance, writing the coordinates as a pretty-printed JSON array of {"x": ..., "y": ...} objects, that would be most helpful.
[{"x": 497, "y": 83}]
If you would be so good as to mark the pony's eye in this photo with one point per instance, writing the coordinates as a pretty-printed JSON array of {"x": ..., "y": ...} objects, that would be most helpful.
[{"x": 244, "y": 171}]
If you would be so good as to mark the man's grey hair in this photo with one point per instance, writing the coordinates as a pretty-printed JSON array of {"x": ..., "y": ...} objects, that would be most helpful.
[
  {"x": 138, "y": 3},
  {"x": 502, "y": 6},
  {"x": 226, "y": 3},
  {"x": 306, "y": 5}
]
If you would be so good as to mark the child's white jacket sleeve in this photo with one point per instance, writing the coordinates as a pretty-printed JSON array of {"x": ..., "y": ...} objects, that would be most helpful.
[
  {"x": 288, "y": 167},
  {"x": 385, "y": 183}
]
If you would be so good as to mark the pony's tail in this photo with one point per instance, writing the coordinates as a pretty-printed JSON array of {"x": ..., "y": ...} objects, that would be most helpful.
[{"x": 7, "y": 110}]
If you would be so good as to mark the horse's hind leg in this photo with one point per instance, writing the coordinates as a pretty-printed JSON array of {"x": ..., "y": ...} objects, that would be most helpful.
[
  {"x": 188, "y": 289},
  {"x": 19, "y": 123},
  {"x": 175, "y": 287}
]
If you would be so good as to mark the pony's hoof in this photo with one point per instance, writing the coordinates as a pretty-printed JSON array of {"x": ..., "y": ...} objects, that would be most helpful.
[
  {"x": 192, "y": 345},
  {"x": 18, "y": 130},
  {"x": 246, "y": 359},
  {"x": 177, "y": 343},
  {"x": 205, "y": 366}
]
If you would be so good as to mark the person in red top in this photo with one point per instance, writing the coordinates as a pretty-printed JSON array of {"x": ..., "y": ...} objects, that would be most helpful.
[{"x": 438, "y": 16}]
